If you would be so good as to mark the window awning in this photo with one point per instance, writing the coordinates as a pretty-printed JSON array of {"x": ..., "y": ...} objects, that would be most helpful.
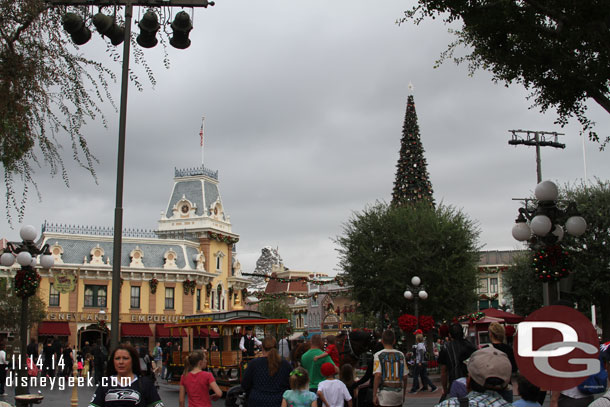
[
  {"x": 204, "y": 333},
  {"x": 54, "y": 328},
  {"x": 163, "y": 332},
  {"x": 136, "y": 330}
]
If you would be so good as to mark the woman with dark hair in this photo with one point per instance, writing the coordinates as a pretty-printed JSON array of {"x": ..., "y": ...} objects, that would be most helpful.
[
  {"x": 266, "y": 378},
  {"x": 123, "y": 385}
]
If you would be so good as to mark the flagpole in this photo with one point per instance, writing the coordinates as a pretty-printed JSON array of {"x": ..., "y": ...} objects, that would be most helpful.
[{"x": 201, "y": 136}]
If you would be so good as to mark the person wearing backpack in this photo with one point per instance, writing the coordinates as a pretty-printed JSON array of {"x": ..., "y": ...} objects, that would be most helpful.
[
  {"x": 145, "y": 362},
  {"x": 604, "y": 357},
  {"x": 451, "y": 360},
  {"x": 157, "y": 358}
]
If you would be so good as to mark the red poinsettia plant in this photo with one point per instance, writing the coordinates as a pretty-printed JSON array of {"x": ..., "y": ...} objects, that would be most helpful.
[{"x": 408, "y": 322}]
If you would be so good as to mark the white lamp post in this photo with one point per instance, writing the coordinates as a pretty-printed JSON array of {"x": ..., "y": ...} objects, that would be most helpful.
[
  {"x": 25, "y": 253},
  {"x": 546, "y": 221},
  {"x": 416, "y": 292}
]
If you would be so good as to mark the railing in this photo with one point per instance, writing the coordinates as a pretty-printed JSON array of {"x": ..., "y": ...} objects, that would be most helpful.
[
  {"x": 96, "y": 230},
  {"x": 191, "y": 172}
]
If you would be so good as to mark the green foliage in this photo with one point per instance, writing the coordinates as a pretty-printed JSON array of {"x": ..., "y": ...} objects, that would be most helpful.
[
  {"x": 591, "y": 251},
  {"x": 10, "y": 305},
  {"x": 557, "y": 49},
  {"x": 412, "y": 184},
  {"x": 48, "y": 91},
  {"x": 274, "y": 309},
  {"x": 523, "y": 285},
  {"x": 384, "y": 246}
]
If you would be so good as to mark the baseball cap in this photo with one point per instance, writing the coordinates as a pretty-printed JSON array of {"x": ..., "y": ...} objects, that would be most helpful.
[
  {"x": 488, "y": 363},
  {"x": 327, "y": 369}
]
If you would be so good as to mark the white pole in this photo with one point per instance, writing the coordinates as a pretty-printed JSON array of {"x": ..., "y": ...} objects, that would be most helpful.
[
  {"x": 584, "y": 158},
  {"x": 201, "y": 135},
  {"x": 593, "y": 316}
]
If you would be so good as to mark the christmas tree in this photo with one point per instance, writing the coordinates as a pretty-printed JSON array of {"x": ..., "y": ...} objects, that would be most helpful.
[{"x": 412, "y": 184}]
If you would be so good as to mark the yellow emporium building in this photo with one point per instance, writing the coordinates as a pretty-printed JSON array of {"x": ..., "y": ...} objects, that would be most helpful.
[{"x": 187, "y": 266}]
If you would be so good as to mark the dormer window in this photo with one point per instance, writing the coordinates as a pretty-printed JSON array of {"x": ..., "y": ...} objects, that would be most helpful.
[
  {"x": 185, "y": 209},
  {"x": 136, "y": 257},
  {"x": 170, "y": 259},
  {"x": 97, "y": 255},
  {"x": 219, "y": 255}
]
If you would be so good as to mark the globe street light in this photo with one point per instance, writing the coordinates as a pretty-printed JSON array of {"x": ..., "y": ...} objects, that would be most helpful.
[
  {"x": 416, "y": 292},
  {"x": 26, "y": 283},
  {"x": 543, "y": 222}
]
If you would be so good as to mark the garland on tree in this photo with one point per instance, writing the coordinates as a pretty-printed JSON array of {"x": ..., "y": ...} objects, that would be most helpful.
[
  {"x": 27, "y": 281},
  {"x": 551, "y": 263}
]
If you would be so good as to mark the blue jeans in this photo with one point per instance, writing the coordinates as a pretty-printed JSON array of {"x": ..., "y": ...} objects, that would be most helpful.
[{"x": 421, "y": 371}]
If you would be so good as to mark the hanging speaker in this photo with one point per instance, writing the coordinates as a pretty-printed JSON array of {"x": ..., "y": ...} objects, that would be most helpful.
[
  {"x": 116, "y": 34},
  {"x": 75, "y": 26},
  {"x": 149, "y": 25},
  {"x": 182, "y": 27},
  {"x": 102, "y": 23}
]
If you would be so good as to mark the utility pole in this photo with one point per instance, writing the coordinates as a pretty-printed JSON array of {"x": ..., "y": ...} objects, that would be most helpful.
[
  {"x": 550, "y": 291},
  {"x": 118, "y": 212},
  {"x": 538, "y": 139}
]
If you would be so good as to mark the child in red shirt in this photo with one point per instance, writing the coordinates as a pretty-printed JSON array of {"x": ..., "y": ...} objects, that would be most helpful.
[
  {"x": 196, "y": 383},
  {"x": 331, "y": 350}
]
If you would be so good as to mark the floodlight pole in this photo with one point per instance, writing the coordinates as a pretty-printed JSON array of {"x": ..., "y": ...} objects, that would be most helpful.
[
  {"x": 118, "y": 211},
  {"x": 550, "y": 291}
]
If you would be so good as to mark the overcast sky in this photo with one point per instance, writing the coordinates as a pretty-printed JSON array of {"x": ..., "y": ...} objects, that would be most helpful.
[{"x": 304, "y": 105}]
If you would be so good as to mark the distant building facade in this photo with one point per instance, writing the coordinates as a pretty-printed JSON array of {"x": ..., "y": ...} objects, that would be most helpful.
[
  {"x": 492, "y": 268},
  {"x": 188, "y": 265}
]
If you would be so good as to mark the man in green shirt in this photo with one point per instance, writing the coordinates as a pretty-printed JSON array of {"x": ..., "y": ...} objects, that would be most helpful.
[{"x": 313, "y": 366}]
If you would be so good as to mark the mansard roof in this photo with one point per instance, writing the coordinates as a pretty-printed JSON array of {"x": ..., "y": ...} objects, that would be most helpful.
[
  {"x": 197, "y": 185},
  {"x": 77, "y": 243}
]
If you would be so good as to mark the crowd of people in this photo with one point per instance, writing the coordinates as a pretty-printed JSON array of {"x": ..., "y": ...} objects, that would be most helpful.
[{"x": 312, "y": 375}]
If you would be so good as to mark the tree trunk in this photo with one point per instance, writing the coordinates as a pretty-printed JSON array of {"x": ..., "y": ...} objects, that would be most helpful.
[{"x": 605, "y": 318}]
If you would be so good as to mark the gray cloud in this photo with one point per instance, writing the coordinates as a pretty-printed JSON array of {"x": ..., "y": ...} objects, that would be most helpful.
[{"x": 304, "y": 106}]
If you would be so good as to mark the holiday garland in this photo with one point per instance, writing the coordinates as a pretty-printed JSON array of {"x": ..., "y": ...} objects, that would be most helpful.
[
  {"x": 339, "y": 280},
  {"x": 488, "y": 297},
  {"x": 551, "y": 263},
  {"x": 27, "y": 281},
  {"x": 153, "y": 285},
  {"x": 475, "y": 316},
  {"x": 189, "y": 286},
  {"x": 262, "y": 295},
  {"x": 492, "y": 270},
  {"x": 223, "y": 238}
]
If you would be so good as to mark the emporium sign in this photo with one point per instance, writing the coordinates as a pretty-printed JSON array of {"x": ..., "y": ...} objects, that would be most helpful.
[{"x": 94, "y": 317}]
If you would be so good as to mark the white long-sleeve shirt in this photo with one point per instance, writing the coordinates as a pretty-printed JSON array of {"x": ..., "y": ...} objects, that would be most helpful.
[{"x": 256, "y": 342}]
